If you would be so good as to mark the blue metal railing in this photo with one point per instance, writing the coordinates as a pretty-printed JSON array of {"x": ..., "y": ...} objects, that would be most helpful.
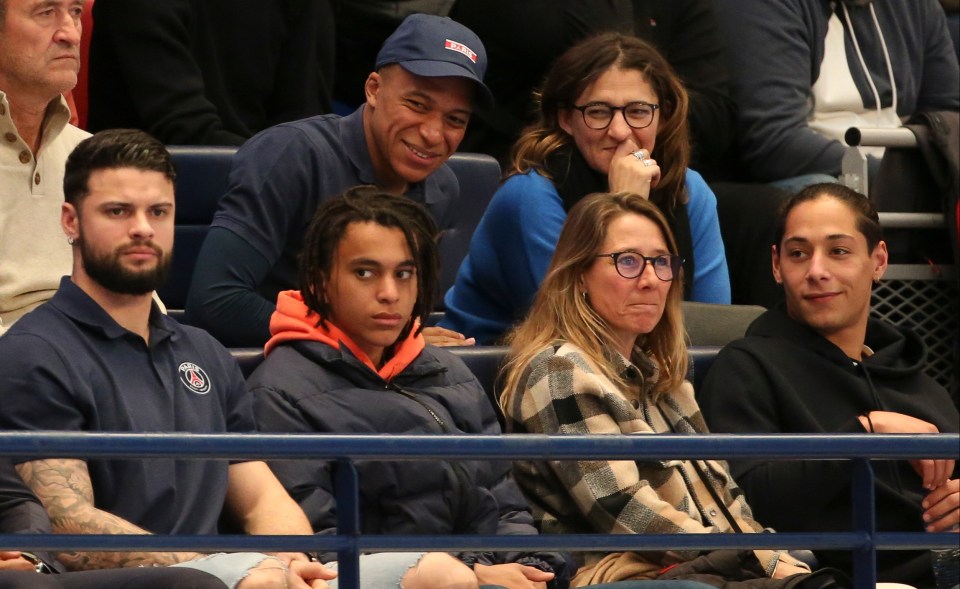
[{"x": 862, "y": 539}]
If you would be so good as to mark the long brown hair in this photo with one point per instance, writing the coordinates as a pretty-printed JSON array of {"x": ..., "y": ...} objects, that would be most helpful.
[
  {"x": 560, "y": 313},
  {"x": 578, "y": 68}
]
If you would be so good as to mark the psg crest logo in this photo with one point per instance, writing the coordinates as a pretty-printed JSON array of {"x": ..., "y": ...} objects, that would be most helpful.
[{"x": 194, "y": 378}]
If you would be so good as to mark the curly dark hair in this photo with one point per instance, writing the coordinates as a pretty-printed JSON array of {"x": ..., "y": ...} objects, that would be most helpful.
[{"x": 368, "y": 204}]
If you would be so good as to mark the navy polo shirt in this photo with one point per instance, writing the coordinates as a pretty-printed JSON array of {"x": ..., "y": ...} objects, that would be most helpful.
[
  {"x": 282, "y": 174},
  {"x": 69, "y": 366}
]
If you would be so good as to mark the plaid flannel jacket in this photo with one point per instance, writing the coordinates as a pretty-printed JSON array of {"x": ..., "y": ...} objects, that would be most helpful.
[{"x": 563, "y": 393}]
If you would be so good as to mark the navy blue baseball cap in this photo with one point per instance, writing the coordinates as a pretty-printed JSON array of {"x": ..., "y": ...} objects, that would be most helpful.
[{"x": 434, "y": 46}]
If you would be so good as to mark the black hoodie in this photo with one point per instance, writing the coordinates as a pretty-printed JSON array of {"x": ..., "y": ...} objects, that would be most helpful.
[{"x": 783, "y": 377}]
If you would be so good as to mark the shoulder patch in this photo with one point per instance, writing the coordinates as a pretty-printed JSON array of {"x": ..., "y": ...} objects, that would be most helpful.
[{"x": 194, "y": 378}]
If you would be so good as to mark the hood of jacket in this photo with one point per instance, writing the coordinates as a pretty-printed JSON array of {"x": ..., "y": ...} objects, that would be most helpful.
[
  {"x": 293, "y": 321},
  {"x": 897, "y": 352}
]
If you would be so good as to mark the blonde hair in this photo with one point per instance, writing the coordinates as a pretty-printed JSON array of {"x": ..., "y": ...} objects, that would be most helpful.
[
  {"x": 559, "y": 311},
  {"x": 578, "y": 68}
]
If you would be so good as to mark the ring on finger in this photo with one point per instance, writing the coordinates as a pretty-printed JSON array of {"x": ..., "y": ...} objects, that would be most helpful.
[{"x": 639, "y": 155}]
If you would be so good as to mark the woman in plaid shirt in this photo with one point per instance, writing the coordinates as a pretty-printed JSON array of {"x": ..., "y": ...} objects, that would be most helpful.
[{"x": 603, "y": 352}]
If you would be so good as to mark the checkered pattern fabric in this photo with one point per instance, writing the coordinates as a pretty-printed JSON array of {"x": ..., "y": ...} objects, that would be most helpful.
[{"x": 565, "y": 394}]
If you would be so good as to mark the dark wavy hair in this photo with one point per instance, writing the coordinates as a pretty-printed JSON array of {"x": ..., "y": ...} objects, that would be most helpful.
[
  {"x": 110, "y": 149},
  {"x": 578, "y": 68},
  {"x": 363, "y": 204}
]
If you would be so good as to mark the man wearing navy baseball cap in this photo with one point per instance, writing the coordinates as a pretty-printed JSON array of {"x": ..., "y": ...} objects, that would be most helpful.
[{"x": 428, "y": 75}]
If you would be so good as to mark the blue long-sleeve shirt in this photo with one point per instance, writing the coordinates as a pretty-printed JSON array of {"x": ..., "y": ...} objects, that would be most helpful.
[{"x": 513, "y": 244}]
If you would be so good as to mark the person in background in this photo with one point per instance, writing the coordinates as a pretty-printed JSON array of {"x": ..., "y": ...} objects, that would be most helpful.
[
  {"x": 208, "y": 72},
  {"x": 418, "y": 102},
  {"x": 804, "y": 71},
  {"x": 347, "y": 356},
  {"x": 39, "y": 61},
  {"x": 603, "y": 352},
  {"x": 820, "y": 364},
  {"x": 686, "y": 32},
  {"x": 613, "y": 117}
]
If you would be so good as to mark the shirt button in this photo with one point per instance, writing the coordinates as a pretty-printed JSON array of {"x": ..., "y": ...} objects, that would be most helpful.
[
  {"x": 10, "y": 137},
  {"x": 713, "y": 513},
  {"x": 36, "y": 178},
  {"x": 25, "y": 157}
]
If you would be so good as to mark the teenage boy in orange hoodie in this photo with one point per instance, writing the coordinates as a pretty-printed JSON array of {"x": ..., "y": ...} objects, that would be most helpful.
[{"x": 347, "y": 356}]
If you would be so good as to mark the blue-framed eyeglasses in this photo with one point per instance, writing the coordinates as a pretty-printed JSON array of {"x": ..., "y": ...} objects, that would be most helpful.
[{"x": 631, "y": 264}]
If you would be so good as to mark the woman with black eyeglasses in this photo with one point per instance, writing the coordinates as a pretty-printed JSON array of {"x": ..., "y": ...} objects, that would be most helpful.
[
  {"x": 602, "y": 352},
  {"x": 612, "y": 117}
]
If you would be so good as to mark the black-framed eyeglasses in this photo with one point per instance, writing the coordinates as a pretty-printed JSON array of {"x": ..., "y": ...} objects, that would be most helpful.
[
  {"x": 631, "y": 264},
  {"x": 599, "y": 115}
]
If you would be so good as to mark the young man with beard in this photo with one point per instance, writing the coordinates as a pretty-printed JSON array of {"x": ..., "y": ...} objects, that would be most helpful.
[{"x": 100, "y": 356}]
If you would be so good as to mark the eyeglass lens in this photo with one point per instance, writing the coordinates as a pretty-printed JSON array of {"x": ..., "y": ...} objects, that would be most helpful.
[
  {"x": 599, "y": 116},
  {"x": 631, "y": 265}
]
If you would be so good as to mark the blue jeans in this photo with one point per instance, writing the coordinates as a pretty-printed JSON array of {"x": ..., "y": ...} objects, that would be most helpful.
[{"x": 382, "y": 570}]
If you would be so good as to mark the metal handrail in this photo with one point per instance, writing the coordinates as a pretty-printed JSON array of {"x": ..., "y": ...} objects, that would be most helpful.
[{"x": 863, "y": 539}]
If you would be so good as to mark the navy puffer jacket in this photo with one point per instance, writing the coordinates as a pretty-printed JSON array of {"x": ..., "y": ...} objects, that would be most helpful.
[{"x": 310, "y": 387}]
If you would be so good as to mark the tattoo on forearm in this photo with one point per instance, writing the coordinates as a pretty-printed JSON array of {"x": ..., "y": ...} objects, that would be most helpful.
[{"x": 64, "y": 488}]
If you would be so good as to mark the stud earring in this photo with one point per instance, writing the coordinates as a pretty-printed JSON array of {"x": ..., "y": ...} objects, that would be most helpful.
[
  {"x": 71, "y": 240},
  {"x": 583, "y": 294}
]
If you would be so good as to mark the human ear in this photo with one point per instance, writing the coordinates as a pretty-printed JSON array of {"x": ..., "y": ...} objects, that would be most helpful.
[
  {"x": 563, "y": 118},
  {"x": 881, "y": 259},
  {"x": 775, "y": 264},
  {"x": 371, "y": 88},
  {"x": 70, "y": 221}
]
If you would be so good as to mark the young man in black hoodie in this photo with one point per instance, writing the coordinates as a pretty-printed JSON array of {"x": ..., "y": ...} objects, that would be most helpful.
[{"x": 819, "y": 364}]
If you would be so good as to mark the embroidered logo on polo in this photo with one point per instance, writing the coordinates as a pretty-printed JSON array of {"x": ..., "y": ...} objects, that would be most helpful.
[{"x": 194, "y": 378}]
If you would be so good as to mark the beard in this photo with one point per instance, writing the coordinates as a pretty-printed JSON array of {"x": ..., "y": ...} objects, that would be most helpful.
[{"x": 107, "y": 270}]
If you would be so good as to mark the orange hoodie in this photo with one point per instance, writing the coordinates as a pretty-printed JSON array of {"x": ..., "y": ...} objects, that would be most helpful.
[{"x": 293, "y": 321}]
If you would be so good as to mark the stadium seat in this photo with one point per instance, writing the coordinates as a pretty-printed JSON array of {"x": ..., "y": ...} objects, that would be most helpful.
[
  {"x": 710, "y": 324},
  {"x": 201, "y": 180},
  {"x": 479, "y": 177},
  {"x": 485, "y": 363},
  {"x": 248, "y": 359}
]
